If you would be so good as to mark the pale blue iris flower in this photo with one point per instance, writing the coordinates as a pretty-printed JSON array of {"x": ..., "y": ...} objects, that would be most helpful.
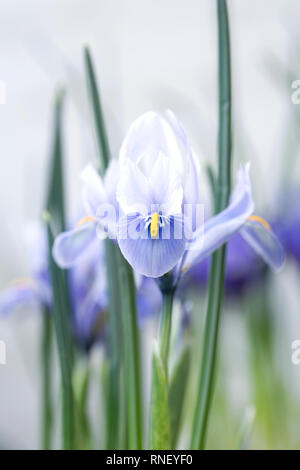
[
  {"x": 159, "y": 173},
  {"x": 150, "y": 202}
]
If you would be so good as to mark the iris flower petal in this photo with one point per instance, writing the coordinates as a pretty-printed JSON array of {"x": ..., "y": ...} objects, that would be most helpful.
[
  {"x": 264, "y": 242},
  {"x": 147, "y": 136},
  {"x": 70, "y": 246},
  {"x": 93, "y": 190},
  {"x": 191, "y": 185},
  {"x": 221, "y": 227},
  {"x": 166, "y": 188},
  {"x": 133, "y": 191},
  {"x": 152, "y": 257},
  {"x": 17, "y": 296},
  {"x": 111, "y": 178}
]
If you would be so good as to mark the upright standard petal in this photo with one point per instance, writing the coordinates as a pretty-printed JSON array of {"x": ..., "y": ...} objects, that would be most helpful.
[
  {"x": 147, "y": 136},
  {"x": 191, "y": 182},
  {"x": 93, "y": 190},
  {"x": 111, "y": 179},
  {"x": 260, "y": 236},
  {"x": 220, "y": 228},
  {"x": 70, "y": 246},
  {"x": 165, "y": 185},
  {"x": 133, "y": 190}
]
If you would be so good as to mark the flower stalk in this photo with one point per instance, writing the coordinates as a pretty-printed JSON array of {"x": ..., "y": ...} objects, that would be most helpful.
[
  {"x": 160, "y": 420},
  {"x": 216, "y": 278}
]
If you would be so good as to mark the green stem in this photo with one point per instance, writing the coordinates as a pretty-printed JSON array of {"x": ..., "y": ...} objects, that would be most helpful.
[
  {"x": 216, "y": 278},
  {"x": 165, "y": 327},
  {"x": 46, "y": 363}
]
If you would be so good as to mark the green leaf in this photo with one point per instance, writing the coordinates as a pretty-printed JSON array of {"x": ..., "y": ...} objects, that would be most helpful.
[
  {"x": 177, "y": 388},
  {"x": 212, "y": 182},
  {"x": 131, "y": 355},
  {"x": 46, "y": 374},
  {"x": 115, "y": 345},
  {"x": 55, "y": 223},
  {"x": 217, "y": 269},
  {"x": 55, "y": 198},
  {"x": 159, "y": 408},
  {"x": 114, "y": 402},
  {"x": 98, "y": 119},
  {"x": 123, "y": 348},
  {"x": 81, "y": 384}
]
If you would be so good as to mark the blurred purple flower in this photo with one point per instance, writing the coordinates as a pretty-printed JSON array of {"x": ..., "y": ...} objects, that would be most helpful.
[
  {"x": 35, "y": 290},
  {"x": 149, "y": 300},
  {"x": 244, "y": 268},
  {"x": 287, "y": 224},
  {"x": 86, "y": 281}
]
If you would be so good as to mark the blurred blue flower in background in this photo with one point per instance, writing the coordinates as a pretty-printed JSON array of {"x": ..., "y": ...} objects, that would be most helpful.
[
  {"x": 244, "y": 268},
  {"x": 88, "y": 296},
  {"x": 35, "y": 290},
  {"x": 149, "y": 300},
  {"x": 287, "y": 224},
  {"x": 87, "y": 288}
]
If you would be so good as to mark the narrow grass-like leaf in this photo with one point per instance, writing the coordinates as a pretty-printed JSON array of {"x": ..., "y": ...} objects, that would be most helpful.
[
  {"x": 98, "y": 119},
  {"x": 81, "y": 382},
  {"x": 177, "y": 388},
  {"x": 120, "y": 279},
  {"x": 212, "y": 183},
  {"x": 160, "y": 438},
  {"x": 55, "y": 223},
  {"x": 131, "y": 356},
  {"x": 46, "y": 374},
  {"x": 60, "y": 312},
  {"x": 55, "y": 198},
  {"x": 216, "y": 277},
  {"x": 114, "y": 348},
  {"x": 115, "y": 333}
]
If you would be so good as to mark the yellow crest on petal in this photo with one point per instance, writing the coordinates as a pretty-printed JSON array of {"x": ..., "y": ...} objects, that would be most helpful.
[
  {"x": 84, "y": 220},
  {"x": 154, "y": 225}
]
